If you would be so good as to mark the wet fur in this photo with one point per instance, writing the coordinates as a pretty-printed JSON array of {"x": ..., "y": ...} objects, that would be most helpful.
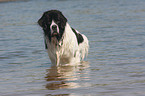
[{"x": 69, "y": 46}]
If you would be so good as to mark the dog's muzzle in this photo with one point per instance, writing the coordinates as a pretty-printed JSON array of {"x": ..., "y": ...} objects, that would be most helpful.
[{"x": 54, "y": 29}]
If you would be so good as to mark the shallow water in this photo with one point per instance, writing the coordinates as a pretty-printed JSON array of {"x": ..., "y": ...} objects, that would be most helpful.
[{"x": 115, "y": 65}]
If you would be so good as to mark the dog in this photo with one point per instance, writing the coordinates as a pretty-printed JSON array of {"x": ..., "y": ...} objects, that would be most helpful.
[{"x": 64, "y": 44}]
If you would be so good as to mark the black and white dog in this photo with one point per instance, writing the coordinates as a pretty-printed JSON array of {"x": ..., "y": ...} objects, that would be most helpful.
[{"x": 64, "y": 44}]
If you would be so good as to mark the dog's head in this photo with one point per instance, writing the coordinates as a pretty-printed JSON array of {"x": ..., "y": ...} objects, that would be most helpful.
[{"x": 53, "y": 23}]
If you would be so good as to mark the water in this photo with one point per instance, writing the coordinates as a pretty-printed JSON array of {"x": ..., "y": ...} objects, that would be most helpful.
[{"x": 115, "y": 65}]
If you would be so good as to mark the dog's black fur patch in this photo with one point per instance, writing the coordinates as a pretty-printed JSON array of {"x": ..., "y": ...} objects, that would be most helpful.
[
  {"x": 46, "y": 47},
  {"x": 79, "y": 37}
]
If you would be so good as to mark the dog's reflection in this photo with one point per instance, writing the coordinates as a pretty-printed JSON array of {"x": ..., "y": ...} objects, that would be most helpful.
[{"x": 64, "y": 76}]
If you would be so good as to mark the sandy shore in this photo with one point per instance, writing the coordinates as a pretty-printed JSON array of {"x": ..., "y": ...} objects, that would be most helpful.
[{"x": 7, "y": 0}]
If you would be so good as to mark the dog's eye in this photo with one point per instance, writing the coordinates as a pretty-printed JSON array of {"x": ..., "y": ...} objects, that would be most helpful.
[
  {"x": 48, "y": 23},
  {"x": 58, "y": 22},
  {"x": 44, "y": 28}
]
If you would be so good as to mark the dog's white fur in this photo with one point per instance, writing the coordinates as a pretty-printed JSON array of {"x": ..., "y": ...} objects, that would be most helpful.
[{"x": 67, "y": 50}]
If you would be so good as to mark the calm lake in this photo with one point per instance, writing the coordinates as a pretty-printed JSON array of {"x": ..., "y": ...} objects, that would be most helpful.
[{"x": 115, "y": 65}]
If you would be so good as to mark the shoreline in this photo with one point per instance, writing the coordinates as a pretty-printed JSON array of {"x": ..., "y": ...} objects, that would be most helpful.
[{"x": 7, "y": 0}]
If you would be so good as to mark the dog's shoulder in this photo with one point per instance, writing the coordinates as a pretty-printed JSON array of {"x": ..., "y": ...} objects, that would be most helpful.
[{"x": 79, "y": 36}]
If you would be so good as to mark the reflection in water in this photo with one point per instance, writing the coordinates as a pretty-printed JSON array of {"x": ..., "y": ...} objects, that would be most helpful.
[{"x": 64, "y": 76}]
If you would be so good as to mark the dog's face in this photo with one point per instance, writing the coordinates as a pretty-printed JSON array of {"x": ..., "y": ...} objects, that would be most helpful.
[{"x": 53, "y": 23}]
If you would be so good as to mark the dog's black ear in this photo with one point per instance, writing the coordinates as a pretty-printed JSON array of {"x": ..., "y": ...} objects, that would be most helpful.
[
  {"x": 63, "y": 21},
  {"x": 41, "y": 21},
  {"x": 45, "y": 44}
]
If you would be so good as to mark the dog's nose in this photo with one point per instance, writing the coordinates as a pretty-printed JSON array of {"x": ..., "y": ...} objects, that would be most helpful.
[{"x": 54, "y": 27}]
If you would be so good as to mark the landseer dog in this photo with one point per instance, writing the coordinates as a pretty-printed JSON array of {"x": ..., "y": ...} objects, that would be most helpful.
[{"x": 64, "y": 44}]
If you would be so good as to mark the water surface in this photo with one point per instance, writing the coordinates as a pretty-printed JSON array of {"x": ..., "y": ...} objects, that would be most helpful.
[{"x": 115, "y": 65}]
